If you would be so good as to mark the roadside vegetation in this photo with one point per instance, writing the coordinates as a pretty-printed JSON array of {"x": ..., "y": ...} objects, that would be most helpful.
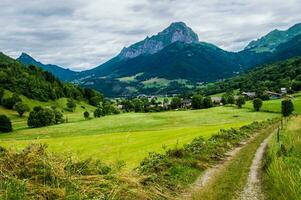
[{"x": 281, "y": 173}]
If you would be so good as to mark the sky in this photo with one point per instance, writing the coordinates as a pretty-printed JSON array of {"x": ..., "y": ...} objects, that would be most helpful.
[{"x": 82, "y": 34}]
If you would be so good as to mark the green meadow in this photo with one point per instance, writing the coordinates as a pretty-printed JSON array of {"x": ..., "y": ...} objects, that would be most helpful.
[
  {"x": 131, "y": 136},
  {"x": 275, "y": 105}
]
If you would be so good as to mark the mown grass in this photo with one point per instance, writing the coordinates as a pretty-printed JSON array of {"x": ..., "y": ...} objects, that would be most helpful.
[
  {"x": 275, "y": 105},
  {"x": 229, "y": 182},
  {"x": 131, "y": 136},
  {"x": 282, "y": 172}
]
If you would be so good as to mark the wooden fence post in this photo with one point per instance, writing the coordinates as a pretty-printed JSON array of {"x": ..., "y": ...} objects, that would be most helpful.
[{"x": 278, "y": 135}]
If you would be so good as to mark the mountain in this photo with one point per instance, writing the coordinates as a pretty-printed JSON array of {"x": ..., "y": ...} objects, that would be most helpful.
[
  {"x": 176, "y": 32},
  {"x": 174, "y": 61},
  {"x": 269, "y": 42},
  {"x": 59, "y": 72}
]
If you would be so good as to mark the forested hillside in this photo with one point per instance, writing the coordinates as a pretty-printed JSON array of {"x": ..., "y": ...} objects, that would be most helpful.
[
  {"x": 266, "y": 77},
  {"x": 35, "y": 83}
]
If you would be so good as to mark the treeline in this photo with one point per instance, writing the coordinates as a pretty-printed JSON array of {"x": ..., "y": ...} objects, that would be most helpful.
[
  {"x": 272, "y": 77},
  {"x": 35, "y": 83}
]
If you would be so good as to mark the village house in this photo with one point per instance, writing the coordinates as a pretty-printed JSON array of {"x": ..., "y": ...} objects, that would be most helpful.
[{"x": 249, "y": 95}]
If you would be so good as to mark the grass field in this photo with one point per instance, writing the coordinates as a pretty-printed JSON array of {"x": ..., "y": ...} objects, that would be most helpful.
[
  {"x": 275, "y": 105},
  {"x": 131, "y": 136}
]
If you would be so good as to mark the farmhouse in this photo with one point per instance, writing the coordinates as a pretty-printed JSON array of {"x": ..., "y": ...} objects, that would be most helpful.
[
  {"x": 216, "y": 100},
  {"x": 186, "y": 103},
  {"x": 249, "y": 95}
]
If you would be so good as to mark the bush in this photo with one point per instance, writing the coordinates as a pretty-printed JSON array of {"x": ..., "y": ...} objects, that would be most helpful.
[
  {"x": 207, "y": 103},
  {"x": 40, "y": 117},
  {"x": 175, "y": 103},
  {"x": 5, "y": 124},
  {"x": 71, "y": 105},
  {"x": 240, "y": 101},
  {"x": 197, "y": 102},
  {"x": 257, "y": 104},
  {"x": 11, "y": 101},
  {"x": 21, "y": 108},
  {"x": 86, "y": 115},
  {"x": 99, "y": 112},
  {"x": 287, "y": 107},
  {"x": 58, "y": 116}
]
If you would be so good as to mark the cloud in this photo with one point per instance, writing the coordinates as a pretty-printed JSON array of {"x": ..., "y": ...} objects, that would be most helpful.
[{"x": 82, "y": 34}]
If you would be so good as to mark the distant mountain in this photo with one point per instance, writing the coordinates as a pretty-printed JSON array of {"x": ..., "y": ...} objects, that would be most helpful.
[
  {"x": 174, "y": 60},
  {"x": 176, "y": 32},
  {"x": 59, "y": 72},
  {"x": 269, "y": 42}
]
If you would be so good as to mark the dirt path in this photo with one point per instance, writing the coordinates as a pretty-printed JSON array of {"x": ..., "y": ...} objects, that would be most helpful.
[
  {"x": 209, "y": 173},
  {"x": 252, "y": 190}
]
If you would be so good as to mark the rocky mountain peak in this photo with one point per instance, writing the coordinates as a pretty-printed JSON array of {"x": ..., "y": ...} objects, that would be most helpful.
[{"x": 176, "y": 32}]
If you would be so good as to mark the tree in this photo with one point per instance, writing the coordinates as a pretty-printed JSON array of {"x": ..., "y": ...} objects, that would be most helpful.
[
  {"x": 71, "y": 105},
  {"x": 41, "y": 117},
  {"x": 296, "y": 85},
  {"x": 207, "y": 103},
  {"x": 21, "y": 108},
  {"x": 99, "y": 112},
  {"x": 58, "y": 116},
  {"x": 175, "y": 103},
  {"x": 5, "y": 124},
  {"x": 287, "y": 107},
  {"x": 1, "y": 94},
  {"x": 197, "y": 101},
  {"x": 11, "y": 101},
  {"x": 240, "y": 101},
  {"x": 231, "y": 99},
  {"x": 257, "y": 104},
  {"x": 86, "y": 115},
  {"x": 224, "y": 99}
]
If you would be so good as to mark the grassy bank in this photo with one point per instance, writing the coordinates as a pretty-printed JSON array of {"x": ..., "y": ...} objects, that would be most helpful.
[
  {"x": 231, "y": 179},
  {"x": 282, "y": 172}
]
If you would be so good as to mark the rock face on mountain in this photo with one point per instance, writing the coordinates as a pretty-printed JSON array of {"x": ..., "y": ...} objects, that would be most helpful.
[
  {"x": 176, "y": 32},
  {"x": 269, "y": 42}
]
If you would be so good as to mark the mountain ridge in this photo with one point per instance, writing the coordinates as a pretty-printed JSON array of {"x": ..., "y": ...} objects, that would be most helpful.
[{"x": 59, "y": 72}]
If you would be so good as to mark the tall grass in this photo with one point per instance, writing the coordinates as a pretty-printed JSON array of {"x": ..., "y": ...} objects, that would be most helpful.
[{"x": 282, "y": 177}]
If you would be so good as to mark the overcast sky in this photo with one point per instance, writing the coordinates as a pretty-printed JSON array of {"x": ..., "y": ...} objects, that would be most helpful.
[{"x": 81, "y": 34}]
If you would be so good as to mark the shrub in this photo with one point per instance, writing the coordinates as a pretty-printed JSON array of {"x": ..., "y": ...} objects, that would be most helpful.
[
  {"x": 41, "y": 117},
  {"x": 5, "y": 124},
  {"x": 231, "y": 99},
  {"x": 240, "y": 101},
  {"x": 175, "y": 103},
  {"x": 71, "y": 105},
  {"x": 207, "y": 103},
  {"x": 11, "y": 101},
  {"x": 257, "y": 104},
  {"x": 21, "y": 108},
  {"x": 197, "y": 101},
  {"x": 86, "y": 115},
  {"x": 287, "y": 107},
  {"x": 58, "y": 116},
  {"x": 99, "y": 112}
]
